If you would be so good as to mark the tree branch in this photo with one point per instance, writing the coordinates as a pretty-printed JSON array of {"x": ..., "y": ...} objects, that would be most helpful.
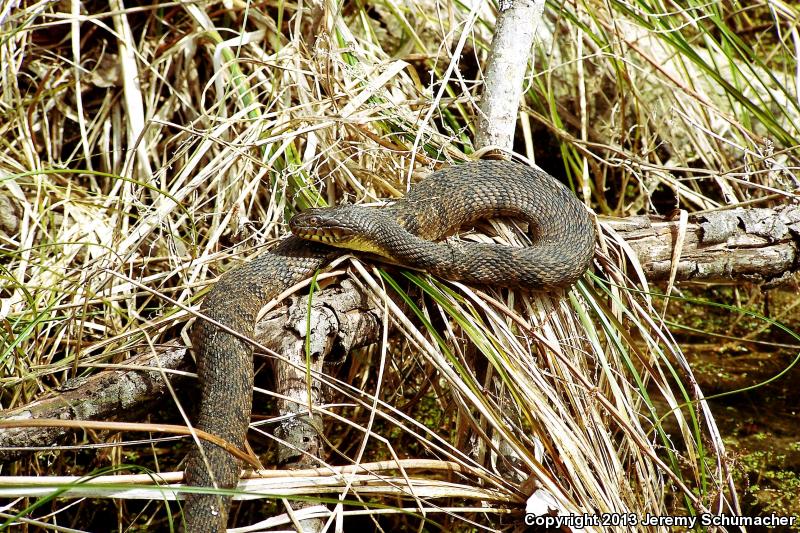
[
  {"x": 731, "y": 246},
  {"x": 505, "y": 73},
  {"x": 342, "y": 319}
]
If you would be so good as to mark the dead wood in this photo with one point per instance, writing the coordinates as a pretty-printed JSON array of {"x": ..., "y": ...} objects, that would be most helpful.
[{"x": 728, "y": 246}]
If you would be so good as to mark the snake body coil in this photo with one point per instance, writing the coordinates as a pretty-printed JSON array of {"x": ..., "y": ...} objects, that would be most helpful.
[{"x": 563, "y": 244}]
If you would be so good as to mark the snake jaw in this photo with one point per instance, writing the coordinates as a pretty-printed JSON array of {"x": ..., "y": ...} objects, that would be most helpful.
[{"x": 330, "y": 236}]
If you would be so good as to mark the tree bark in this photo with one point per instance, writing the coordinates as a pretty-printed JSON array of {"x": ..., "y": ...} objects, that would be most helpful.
[
  {"x": 101, "y": 396},
  {"x": 341, "y": 319},
  {"x": 728, "y": 246},
  {"x": 505, "y": 72}
]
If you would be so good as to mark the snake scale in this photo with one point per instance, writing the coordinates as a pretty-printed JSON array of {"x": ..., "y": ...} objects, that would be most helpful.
[{"x": 562, "y": 236}]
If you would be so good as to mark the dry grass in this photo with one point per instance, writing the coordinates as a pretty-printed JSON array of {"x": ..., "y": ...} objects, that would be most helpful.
[{"x": 168, "y": 142}]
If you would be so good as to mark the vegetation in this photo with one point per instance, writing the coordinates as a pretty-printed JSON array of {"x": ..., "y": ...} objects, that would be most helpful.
[{"x": 144, "y": 149}]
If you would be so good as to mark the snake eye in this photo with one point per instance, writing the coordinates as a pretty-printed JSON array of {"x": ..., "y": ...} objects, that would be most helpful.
[{"x": 312, "y": 220}]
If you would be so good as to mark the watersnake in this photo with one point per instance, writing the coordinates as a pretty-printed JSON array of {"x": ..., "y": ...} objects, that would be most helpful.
[{"x": 562, "y": 236}]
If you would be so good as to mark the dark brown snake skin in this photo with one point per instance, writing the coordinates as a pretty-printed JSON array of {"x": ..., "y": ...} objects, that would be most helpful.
[{"x": 563, "y": 244}]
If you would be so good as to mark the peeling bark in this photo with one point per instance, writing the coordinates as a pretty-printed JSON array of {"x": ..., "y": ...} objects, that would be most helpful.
[
  {"x": 733, "y": 246},
  {"x": 341, "y": 319}
]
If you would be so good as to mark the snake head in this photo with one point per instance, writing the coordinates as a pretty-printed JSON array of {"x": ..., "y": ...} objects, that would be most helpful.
[
  {"x": 342, "y": 226},
  {"x": 351, "y": 226},
  {"x": 319, "y": 225}
]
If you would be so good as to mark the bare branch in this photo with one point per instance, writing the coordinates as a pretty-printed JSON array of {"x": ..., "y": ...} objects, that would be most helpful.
[{"x": 505, "y": 73}]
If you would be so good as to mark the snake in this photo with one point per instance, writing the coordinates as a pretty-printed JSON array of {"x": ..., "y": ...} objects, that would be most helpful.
[{"x": 408, "y": 232}]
